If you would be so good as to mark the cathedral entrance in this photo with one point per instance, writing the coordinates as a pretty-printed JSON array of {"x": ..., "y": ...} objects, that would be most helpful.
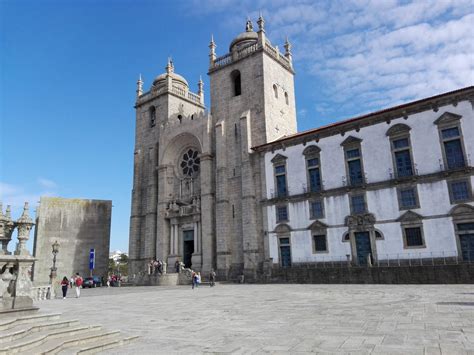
[{"x": 188, "y": 247}]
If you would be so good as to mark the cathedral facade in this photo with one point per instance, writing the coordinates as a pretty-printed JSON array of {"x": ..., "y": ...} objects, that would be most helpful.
[{"x": 237, "y": 189}]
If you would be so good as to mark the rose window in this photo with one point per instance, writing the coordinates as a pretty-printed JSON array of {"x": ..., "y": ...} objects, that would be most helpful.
[{"x": 190, "y": 163}]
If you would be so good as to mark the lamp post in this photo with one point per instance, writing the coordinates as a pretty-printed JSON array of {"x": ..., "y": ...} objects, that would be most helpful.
[{"x": 52, "y": 275}]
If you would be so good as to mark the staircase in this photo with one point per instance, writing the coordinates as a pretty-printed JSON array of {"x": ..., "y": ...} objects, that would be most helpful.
[{"x": 48, "y": 334}]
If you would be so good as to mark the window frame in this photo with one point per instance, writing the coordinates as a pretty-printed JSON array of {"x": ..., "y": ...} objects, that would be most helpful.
[
  {"x": 405, "y": 242},
  {"x": 363, "y": 194},
  {"x": 446, "y": 121},
  {"x": 234, "y": 75},
  {"x": 319, "y": 233},
  {"x": 452, "y": 200},
  {"x": 313, "y": 152},
  {"x": 275, "y": 91},
  {"x": 349, "y": 144},
  {"x": 395, "y": 133},
  {"x": 277, "y": 161},
  {"x": 311, "y": 212},
  {"x": 277, "y": 215},
  {"x": 152, "y": 115},
  {"x": 399, "y": 197}
]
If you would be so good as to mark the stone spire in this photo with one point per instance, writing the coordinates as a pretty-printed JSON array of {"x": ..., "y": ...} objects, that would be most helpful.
[
  {"x": 201, "y": 89},
  {"x": 261, "y": 30},
  {"x": 139, "y": 86},
  {"x": 288, "y": 51},
  {"x": 6, "y": 229},
  {"x": 212, "y": 52},
  {"x": 24, "y": 225}
]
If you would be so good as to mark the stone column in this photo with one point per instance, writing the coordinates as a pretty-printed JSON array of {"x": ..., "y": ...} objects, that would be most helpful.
[{"x": 134, "y": 243}]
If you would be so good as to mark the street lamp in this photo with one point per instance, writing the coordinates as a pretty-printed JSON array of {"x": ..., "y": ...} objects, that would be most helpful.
[{"x": 52, "y": 275}]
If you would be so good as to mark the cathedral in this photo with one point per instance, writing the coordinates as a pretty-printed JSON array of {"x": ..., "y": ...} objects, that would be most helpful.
[{"x": 236, "y": 189}]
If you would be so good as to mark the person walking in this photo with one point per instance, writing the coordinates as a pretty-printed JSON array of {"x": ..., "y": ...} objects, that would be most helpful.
[
  {"x": 198, "y": 279},
  {"x": 64, "y": 286},
  {"x": 212, "y": 278},
  {"x": 176, "y": 265},
  {"x": 78, "y": 282}
]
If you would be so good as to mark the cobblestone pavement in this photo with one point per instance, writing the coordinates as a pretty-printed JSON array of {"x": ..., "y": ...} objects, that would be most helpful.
[{"x": 241, "y": 319}]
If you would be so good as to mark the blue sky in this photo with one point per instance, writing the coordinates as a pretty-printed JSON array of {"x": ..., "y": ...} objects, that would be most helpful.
[{"x": 68, "y": 74}]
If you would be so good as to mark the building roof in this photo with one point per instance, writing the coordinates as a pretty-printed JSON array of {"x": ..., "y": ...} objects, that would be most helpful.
[{"x": 352, "y": 123}]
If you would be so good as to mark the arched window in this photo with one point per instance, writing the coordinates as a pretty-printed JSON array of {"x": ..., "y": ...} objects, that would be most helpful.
[
  {"x": 152, "y": 113},
  {"x": 286, "y": 98},
  {"x": 235, "y": 76},
  {"x": 275, "y": 91}
]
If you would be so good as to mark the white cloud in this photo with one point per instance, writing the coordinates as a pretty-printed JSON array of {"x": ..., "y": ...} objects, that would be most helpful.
[
  {"x": 369, "y": 54},
  {"x": 46, "y": 183}
]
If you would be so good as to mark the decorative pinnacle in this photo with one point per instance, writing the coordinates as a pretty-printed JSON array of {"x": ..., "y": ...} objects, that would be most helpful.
[
  {"x": 200, "y": 85},
  {"x": 248, "y": 25},
  {"x": 212, "y": 44},
  {"x": 287, "y": 46},
  {"x": 1, "y": 209},
  {"x": 170, "y": 66},
  {"x": 261, "y": 22},
  {"x": 8, "y": 212}
]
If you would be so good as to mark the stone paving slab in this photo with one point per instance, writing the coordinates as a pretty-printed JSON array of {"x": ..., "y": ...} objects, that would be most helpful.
[{"x": 282, "y": 319}]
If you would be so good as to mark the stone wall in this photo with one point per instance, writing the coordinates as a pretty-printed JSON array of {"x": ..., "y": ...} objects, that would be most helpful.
[
  {"x": 433, "y": 274},
  {"x": 78, "y": 225}
]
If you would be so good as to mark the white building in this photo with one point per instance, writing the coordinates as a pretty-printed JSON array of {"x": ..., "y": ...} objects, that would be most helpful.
[{"x": 394, "y": 184}]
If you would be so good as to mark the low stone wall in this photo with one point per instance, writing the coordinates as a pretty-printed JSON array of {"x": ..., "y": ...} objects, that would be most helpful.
[{"x": 438, "y": 274}]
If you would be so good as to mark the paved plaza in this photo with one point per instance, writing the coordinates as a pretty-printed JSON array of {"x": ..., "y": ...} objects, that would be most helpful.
[{"x": 241, "y": 319}]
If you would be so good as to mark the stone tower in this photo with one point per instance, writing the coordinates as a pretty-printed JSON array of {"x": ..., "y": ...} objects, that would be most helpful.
[
  {"x": 252, "y": 102},
  {"x": 173, "y": 176},
  {"x": 197, "y": 183}
]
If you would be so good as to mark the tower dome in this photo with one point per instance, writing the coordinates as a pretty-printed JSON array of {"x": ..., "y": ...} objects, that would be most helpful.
[
  {"x": 176, "y": 79},
  {"x": 245, "y": 38}
]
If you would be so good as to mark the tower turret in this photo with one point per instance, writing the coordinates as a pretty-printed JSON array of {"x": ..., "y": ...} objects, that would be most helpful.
[
  {"x": 212, "y": 52},
  {"x": 139, "y": 86}
]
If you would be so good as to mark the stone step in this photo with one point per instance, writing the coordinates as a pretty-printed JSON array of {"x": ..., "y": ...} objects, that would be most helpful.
[
  {"x": 67, "y": 345},
  {"x": 23, "y": 345},
  {"x": 14, "y": 321},
  {"x": 103, "y": 345},
  {"x": 19, "y": 331}
]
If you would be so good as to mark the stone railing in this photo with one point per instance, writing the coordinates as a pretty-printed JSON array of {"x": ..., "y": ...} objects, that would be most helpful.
[
  {"x": 40, "y": 293},
  {"x": 194, "y": 97},
  {"x": 246, "y": 51},
  {"x": 222, "y": 61}
]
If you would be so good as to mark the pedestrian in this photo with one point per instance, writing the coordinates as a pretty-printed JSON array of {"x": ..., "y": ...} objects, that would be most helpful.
[
  {"x": 176, "y": 265},
  {"x": 194, "y": 279},
  {"x": 198, "y": 279},
  {"x": 64, "y": 286},
  {"x": 212, "y": 278},
  {"x": 160, "y": 267},
  {"x": 78, "y": 281}
]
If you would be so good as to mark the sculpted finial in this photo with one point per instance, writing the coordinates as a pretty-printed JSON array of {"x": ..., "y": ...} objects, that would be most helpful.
[{"x": 248, "y": 25}]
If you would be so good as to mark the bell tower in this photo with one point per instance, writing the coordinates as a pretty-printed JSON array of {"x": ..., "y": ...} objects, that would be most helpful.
[{"x": 252, "y": 103}]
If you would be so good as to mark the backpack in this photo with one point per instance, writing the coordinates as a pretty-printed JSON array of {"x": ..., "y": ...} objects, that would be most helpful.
[{"x": 78, "y": 281}]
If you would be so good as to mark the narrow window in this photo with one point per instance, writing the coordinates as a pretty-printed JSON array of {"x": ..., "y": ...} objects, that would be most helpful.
[
  {"x": 317, "y": 209},
  {"x": 414, "y": 237},
  {"x": 237, "y": 88},
  {"x": 453, "y": 148},
  {"x": 281, "y": 214},
  {"x": 354, "y": 165},
  {"x": 314, "y": 175},
  {"x": 275, "y": 91},
  {"x": 152, "y": 113},
  {"x": 233, "y": 211},
  {"x": 358, "y": 204},
  {"x": 408, "y": 198},
  {"x": 286, "y": 98},
  {"x": 402, "y": 154},
  {"x": 280, "y": 177},
  {"x": 401, "y": 150},
  {"x": 460, "y": 191},
  {"x": 313, "y": 168},
  {"x": 320, "y": 243}
]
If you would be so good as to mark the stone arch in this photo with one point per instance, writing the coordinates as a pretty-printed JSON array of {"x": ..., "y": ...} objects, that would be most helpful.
[
  {"x": 171, "y": 154},
  {"x": 282, "y": 229},
  {"x": 398, "y": 128},
  {"x": 311, "y": 150}
]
